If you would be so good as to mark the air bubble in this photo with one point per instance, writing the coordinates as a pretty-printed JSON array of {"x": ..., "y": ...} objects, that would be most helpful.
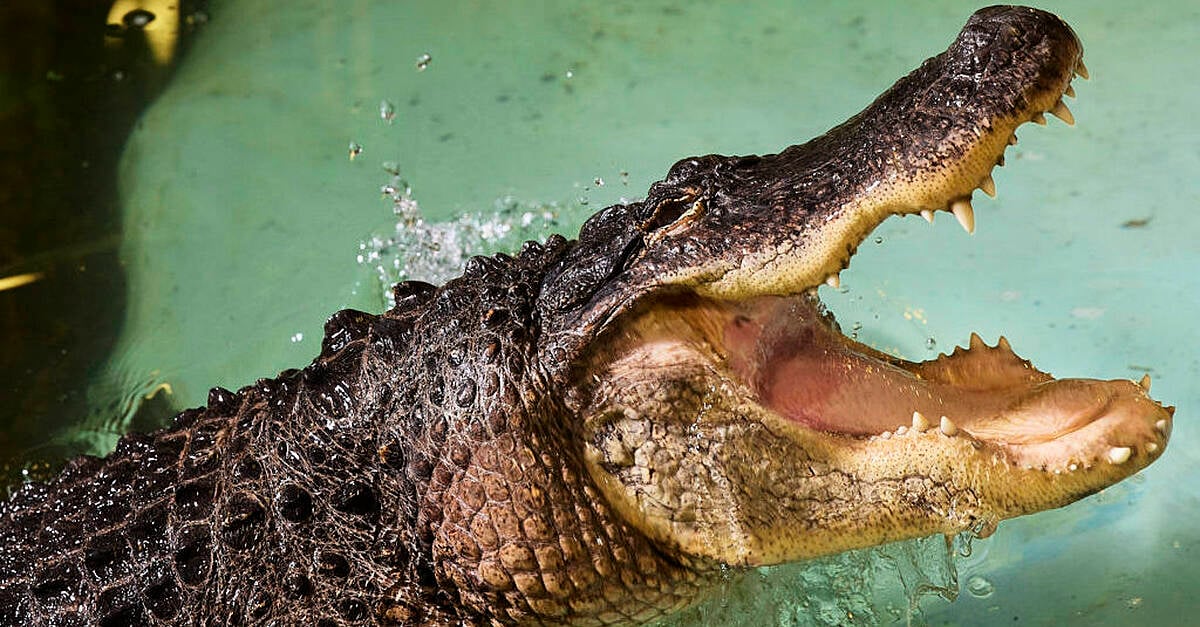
[
  {"x": 423, "y": 61},
  {"x": 387, "y": 111},
  {"x": 930, "y": 343},
  {"x": 980, "y": 587},
  {"x": 355, "y": 150},
  {"x": 878, "y": 239}
]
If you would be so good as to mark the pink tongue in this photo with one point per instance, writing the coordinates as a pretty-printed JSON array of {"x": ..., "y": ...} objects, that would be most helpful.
[{"x": 810, "y": 373}]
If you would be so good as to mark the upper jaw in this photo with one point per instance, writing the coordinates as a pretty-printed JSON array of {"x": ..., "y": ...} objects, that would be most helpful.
[{"x": 922, "y": 147}]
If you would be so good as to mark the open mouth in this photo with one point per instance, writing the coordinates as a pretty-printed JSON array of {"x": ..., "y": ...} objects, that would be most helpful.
[
  {"x": 792, "y": 355},
  {"x": 792, "y": 360}
]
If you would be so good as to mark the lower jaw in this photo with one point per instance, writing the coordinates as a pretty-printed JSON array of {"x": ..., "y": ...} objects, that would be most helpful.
[{"x": 801, "y": 367}]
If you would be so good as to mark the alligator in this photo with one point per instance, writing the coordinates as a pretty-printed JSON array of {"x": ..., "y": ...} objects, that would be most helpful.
[{"x": 600, "y": 430}]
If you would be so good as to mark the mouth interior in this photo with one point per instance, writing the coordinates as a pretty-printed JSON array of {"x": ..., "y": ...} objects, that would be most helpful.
[{"x": 791, "y": 356}]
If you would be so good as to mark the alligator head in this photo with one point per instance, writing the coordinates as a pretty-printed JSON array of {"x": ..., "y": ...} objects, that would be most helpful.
[{"x": 725, "y": 415}]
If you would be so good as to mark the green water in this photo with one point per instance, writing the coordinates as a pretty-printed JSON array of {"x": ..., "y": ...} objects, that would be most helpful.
[{"x": 244, "y": 216}]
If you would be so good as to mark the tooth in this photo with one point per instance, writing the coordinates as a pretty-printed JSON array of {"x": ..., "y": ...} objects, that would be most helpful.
[
  {"x": 833, "y": 281},
  {"x": 1081, "y": 70},
  {"x": 1070, "y": 91},
  {"x": 1119, "y": 454},
  {"x": 965, "y": 214},
  {"x": 1145, "y": 383},
  {"x": 1152, "y": 447},
  {"x": 928, "y": 215},
  {"x": 1003, "y": 343},
  {"x": 948, "y": 427},
  {"x": 1038, "y": 118},
  {"x": 1163, "y": 427},
  {"x": 1012, "y": 139},
  {"x": 920, "y": 423},
  {"x": 988, "y": 186},
  {"x": 901, "y": 430},
  {"x": 1061, "y": 111},
  {"x": 886, "y": 435},
  {"x": 975, "y": 341}
]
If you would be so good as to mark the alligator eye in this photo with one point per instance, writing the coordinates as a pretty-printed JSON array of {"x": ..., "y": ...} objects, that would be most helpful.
[{"x": 671, "y": 217}]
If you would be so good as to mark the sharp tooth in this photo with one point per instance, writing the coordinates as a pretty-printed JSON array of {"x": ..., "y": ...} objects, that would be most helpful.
[
  {"x": 1038, "y": 118},
  {"x": 988, "y": 186},
  {"x": 948, "y": 427},
  {"x": 1061, "y": 112},
  {"x": 1081, "y": 70},
  {"x": 1119, "y": 454},
  {"x": 1152, "y": 447},
  {"x": 1003, "y": 343},
  {"x": 928, "y": 215},
  {"x": 1070, "y": 91},
  {"x": 1145, "y": 383},
  {"x": 833, "y": 281},
  {"x": 920, "y": 423},
  {"x": 1163, "y": 427},
  {"x": 975, "y": 341},
  {"x": 964, "y": 213}
]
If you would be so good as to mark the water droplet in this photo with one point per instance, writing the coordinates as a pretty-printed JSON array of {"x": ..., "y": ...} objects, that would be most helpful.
[
  {"x": 297, "y": 337},
  {"x": 387, "y": 111},
  {"x": 423, "y": 61},
  {"x": 355, "y": 150},
  {"x": 570, "y": 73},
  {"x": 979, "y": 586}
]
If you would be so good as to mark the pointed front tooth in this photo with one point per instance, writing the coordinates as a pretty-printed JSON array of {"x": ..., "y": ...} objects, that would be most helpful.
[
  {"x": 947, "y": 427},
  {"x": 1119, "y": 454},
  {"x": 1038, "y": 118},
  {"x": 1070, "y": 91},
  {"x": 920, "y": 423},
  {"x": 1061, "y": 112},
  {"x": 988, "y": 186},
  {"x": 928, "y": 215},
  {"x": 1145, "y": 383},
  {"x": 1081, "y": 70},
  {"x": 833, "y": 281},
  {"x": 965, "y": 214},
  {"x": 975, "y": 341}
]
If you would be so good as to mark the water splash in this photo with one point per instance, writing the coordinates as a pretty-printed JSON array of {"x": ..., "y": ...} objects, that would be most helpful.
[
  {"x": 885, "y": 584},
  {"x": 418, "y": 249}
]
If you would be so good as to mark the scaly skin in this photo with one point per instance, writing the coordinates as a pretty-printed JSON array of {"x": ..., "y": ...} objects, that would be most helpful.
[{"x": 589, "y": 432}]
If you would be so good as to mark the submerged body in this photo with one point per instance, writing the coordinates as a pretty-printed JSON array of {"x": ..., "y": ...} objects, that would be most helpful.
[{"x": 591, "y": 431}]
